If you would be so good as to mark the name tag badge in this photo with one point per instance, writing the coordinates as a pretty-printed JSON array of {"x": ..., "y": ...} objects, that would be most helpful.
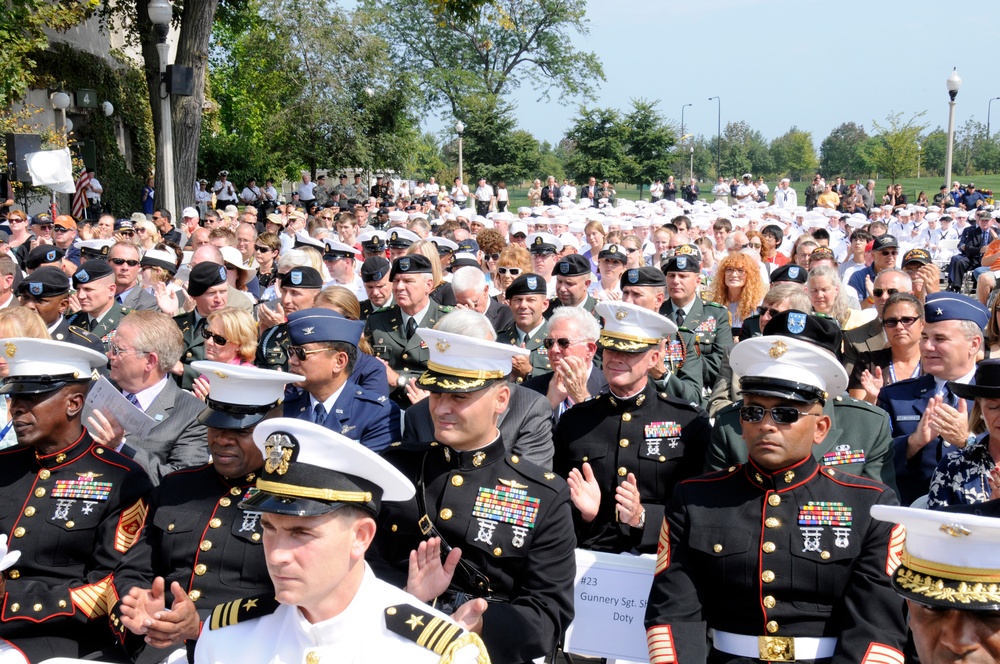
[{"x": 908, "y": 418}]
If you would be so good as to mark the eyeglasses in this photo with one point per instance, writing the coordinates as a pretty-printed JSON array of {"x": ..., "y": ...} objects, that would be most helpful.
[
  {"x": 45, "y": 228},
  {"x": 117, "y": 350},
  {"x": 780, "y": 414},
  {"x": 492, "y": 257},
  {"x": 756, "y": 245},
  {"x": 769, "y": 311},
  {"x": 888, "y": 252},
  {"x": 217, "y": 338},
  {"x": 735, "y": 270},
  {"x": 563, "y": 342},
  {"x": 512, "y": 271},
  {"x": 631, "y": 251},
  {"x": 742, "y": 246},
  {"x": 905, "y": 320},
  {"x": 300, "y": 353},
  {"x": 879, "y": 292},
  {"x": 131, "y": 262},
  {"x": 140, "y": 230},
  {"x": 127, "y": 233},
  {"x": 15, "y": 220}
]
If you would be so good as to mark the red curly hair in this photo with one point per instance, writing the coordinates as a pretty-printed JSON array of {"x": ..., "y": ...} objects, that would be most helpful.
[{"x": 753, "y": 292}]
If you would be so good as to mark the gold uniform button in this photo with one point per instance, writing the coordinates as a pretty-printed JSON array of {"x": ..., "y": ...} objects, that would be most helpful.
[
  {"x": 768, "y": 547},
  {"x": 626, "y": 417},
  {"x": 731, "y": 469},
  {"x": 60, "y": 458},
  {"x": 312, "y": 657},
  {"x": 445, "y": 514},
  {"x": 623, "y": 442},
  {"x": 255, "y": 537},
  {"x": 457, "y": 480},
  {"x": 770, "y": 602},
  {"x": 767, "y": 576},
  {"x": 662, "y": 459},
  {"x": 497, "y": 551},
  {"x": 393, "y": 527},
  {"x": 205, "y": 545},
  {"x": 62, "y": 604},
  {"x": 586, "y": 459},
  {"x": 29, "y": 511},
  {"x": 825, "y": 555},
  {"x": 215, "y": 523},
  {"x": 44, "y": 474},
  {"x": 39, "y": 492},
  {"x": 771, "y": 627},
  {"x": 171, "y": 526},
  {"x": 515, "y": 459},
  {"x": 14, "y": 574},
  {"x": 100, "y": 450},
  {"x": 235, "y": 491},
  {"x": 70, "y": 524},
  {"x": 200, "y": 569},
  {"x": 717, "y": 548},
  {"x": 195, "y": 595},
  {"x": 15, "y": 607},
  {"x": 225, "y": 502},
  {"x": 391, "y": 611},
  {"x": 37, "y": 608},
  {"x": 774, "y": 500},
  {"x": 19, "y": 531},
  {"x": 623, "y": 471},
  {"x": 771, "y": 522}
]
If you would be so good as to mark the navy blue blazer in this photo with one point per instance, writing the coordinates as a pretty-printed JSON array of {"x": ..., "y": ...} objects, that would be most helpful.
[
  {"x": 905, "y": 402},
  {"x": 361, "y": 415}
]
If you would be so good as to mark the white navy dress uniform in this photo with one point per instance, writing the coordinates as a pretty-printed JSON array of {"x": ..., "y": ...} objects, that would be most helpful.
[{"x": 382, "y": 623}]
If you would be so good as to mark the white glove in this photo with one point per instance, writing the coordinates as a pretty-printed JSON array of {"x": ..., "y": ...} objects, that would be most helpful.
[{"x": 7, "y": 558}]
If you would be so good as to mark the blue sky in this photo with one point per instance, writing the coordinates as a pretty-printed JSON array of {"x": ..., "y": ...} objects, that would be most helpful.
[{"x": 778, "y": 63}]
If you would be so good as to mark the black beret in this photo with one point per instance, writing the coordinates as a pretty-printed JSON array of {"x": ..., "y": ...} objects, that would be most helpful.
[
  {"x": 302, "y": 277},
  {"x": 92, "y": 270},
  {"x": 44, "y": 282},
  {"x": 790, "y": 272},
  {"x": 572, "y": 265},
  {"x": 374, "y": 268},
  {"x": 413, "y": 264},
  {"x": 642, "y": 276},
  {"x": 204, "y": 276},
  {"x": 817, "y": 329},
  {"x": 686, "y": 258},
  {"x": 43, "y": 254},
  {"x": 527, "y": 284}
]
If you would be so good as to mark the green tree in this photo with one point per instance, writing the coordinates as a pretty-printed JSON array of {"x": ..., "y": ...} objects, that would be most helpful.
[
  {"x": 427, "y": 160},
  {"x": 744, "y": 150},
  {"x": 598, "y": 138},
  {"x": 793, "y": 154},
  {"x": 22, "y": 33},
  {"x": 493, "y": 148},
  {"x": 551, "y": 162},
  {"x": 840, "y": 152},
  {"x": 933, "y": 146},
  {"x": 648, "y": 144},
  {"x": 491, "y": 51},
  {"x": 893, "y": 153}
]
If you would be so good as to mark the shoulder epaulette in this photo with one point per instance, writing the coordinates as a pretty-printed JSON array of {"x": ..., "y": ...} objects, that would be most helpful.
[
  {"x": 676, "y": 401},
  {"x": 439, "y": 635},
  {"x": 447, "y": 308},
  {"x": 712, "y": 303},
  {"x": 242, "y": 610}
]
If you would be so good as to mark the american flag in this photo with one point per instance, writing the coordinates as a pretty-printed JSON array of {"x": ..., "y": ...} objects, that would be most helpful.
[{"x": 80, "y": 197}]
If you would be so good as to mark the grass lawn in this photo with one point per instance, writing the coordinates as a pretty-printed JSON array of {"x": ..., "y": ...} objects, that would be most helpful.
[{"x": 911, "y": 187}]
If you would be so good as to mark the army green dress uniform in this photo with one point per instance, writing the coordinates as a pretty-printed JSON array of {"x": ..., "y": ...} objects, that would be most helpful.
[
  {"x": 510, "y": 517},
  {"x": 203, "y": 276},
  {"x": 387, "y": 335},
  {"x": 72, "y": 515},
  {"x": 105, "y": 328},
  {"x": 657, "y": 437},
  {"x": 197, "y": 534},
  {"x": 374, "y": 268},
  {"x": 529, "y": 284},
  {"x": 784, "y": 564}
]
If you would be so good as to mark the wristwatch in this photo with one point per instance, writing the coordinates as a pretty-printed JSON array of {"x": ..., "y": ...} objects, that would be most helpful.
[
  {"x": 642, "y": 519},
  {"x": 401, "y": 382},
  {"x": 971, "y": 439}
]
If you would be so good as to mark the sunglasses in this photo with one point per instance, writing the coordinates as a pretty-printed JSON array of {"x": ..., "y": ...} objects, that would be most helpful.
[
  {"x": 563, "y": 342},
  {"x": 300, "y": 353},
  {"x": 755, "y": 245},
  {"x": 44, "y": 227},
  {"x": 889, "y": 253},
  {"x": 217, "y": 338},
  {"x": 60, "y": 229},
  {"x": 769, "y": 311},
  {"x": 905, "y": 320},
  {"x": 780, "y": 414},
  {"x": 140, "y": 230},
  {"x": 127, "y": 233},
  {"x": 879, "y": 292},
  {"x": 492, "y": 257},
  {"x": 512, "y": 271},
  {"x": 131, "y": 262},
  {"x": 631, "y": 251},
  {"x": 262, "y": 249}
]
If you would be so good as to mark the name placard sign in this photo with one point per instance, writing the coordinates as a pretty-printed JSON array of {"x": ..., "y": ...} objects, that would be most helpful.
[{"x": 610, "y": 598}]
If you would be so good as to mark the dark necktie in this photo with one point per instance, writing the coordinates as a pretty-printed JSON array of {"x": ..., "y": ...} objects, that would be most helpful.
[
  {"x": 319, "y": 414},
  {"x": 92, "y": 325},
  {"x": 986, "y": 238},
  {"x": 679, "y": 317},
  {"x": 411, "y": 327},
  {"x": 121, "y": 299},
  {"x": 133, "y": 400}
]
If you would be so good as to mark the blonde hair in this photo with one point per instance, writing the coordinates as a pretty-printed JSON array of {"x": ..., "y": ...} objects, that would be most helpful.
[
  {"x": 429, "y": 249},
  {"x": 239, "y": 328},
  {"x": 23, "y": 322}
]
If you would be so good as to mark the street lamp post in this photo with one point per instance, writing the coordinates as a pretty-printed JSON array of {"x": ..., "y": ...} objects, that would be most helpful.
[
  {"x": 691, "y": 171},
  {"x": 160, "y": 14},
  {"x": 60, "y": 101},
  {"x": 460, "y": 127},
  {"x": 682, "y": 119},
  {"x": 718, "y": 139},
  {"x": 988, "y": 109},
  {"x": 918, "y": 160},
  {"x": 953, "y": 83}
]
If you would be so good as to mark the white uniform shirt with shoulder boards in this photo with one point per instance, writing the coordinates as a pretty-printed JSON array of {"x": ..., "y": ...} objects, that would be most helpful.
[{"x": 357, "y": 636}]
